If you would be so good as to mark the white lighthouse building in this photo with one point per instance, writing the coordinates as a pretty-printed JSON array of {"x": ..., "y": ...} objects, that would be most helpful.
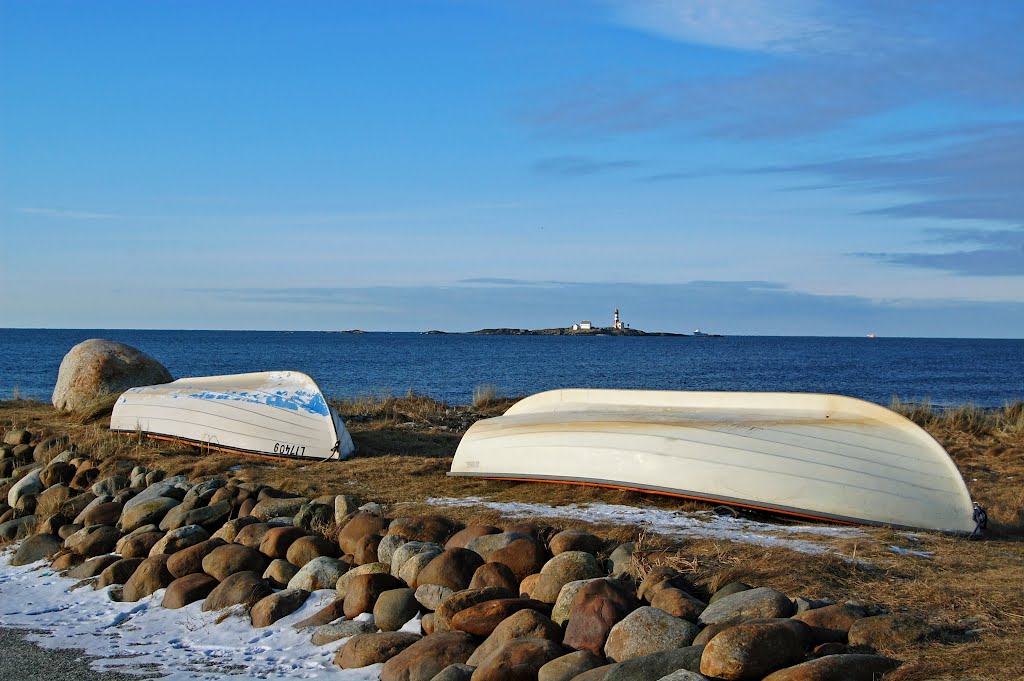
[{"x": 617, "y": 324}]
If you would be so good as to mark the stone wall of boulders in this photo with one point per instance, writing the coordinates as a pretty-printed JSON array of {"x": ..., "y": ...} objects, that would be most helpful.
[{"x": 523, "y": 601}]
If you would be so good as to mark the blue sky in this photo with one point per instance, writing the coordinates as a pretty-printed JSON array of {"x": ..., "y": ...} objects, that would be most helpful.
[{"x": 743, "y": 166}]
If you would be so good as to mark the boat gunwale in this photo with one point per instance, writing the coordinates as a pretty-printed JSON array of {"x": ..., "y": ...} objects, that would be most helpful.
[{"x": 699, "y": 496}]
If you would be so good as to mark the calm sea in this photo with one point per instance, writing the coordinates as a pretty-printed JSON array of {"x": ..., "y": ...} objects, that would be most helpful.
[{"x": 448, "y": 367}]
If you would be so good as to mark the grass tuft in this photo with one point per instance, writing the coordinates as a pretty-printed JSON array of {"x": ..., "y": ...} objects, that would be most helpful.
[{"x": 484, "y": 395}]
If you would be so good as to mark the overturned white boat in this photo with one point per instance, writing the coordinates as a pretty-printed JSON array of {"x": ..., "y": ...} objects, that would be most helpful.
[
  {"x": 818, "y": 456},
  {"x": 274, "y": 413}
]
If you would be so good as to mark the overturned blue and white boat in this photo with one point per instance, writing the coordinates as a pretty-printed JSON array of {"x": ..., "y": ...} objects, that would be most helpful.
[{"x": 272, "y": 413}]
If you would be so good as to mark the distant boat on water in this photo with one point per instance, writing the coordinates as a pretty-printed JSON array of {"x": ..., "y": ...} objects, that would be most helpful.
[
  {"x": 700, "y": 334},
  {"x": 871, "y": 335}
]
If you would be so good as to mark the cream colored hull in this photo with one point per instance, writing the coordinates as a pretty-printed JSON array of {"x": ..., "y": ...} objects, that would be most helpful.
[
  {"x": 820, "y": 456},
  {"x": 276, "y": 413}
]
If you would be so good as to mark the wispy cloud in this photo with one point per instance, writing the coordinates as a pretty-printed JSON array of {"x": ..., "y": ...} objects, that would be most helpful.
[
  {"x": 978, "y": 179},
  {"x": 841, "y": 62},
  {"x": 1002, "y": 255},
  {"x": 578, "y": 166},
  {"x": 760, "y": 25},
  {"x": 69, "y": 214}
]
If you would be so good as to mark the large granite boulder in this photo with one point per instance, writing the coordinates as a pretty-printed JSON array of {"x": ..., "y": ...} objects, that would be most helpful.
[
  {"x": 428, "y": 657},
  {"x": 99, "y": 367},
  {"x": 367, "y": 649}
]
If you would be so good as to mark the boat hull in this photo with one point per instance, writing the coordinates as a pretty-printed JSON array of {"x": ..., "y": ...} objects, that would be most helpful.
[
  {"x": 278, "y": 413},
  {"x": 819, "y": 456}
]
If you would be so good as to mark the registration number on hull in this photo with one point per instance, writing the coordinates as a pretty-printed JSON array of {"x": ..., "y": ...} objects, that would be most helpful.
[{"x": 289, "y": 450}]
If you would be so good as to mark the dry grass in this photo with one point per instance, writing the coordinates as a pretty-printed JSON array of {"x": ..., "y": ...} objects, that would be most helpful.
[{"x": 405, "y": 448}]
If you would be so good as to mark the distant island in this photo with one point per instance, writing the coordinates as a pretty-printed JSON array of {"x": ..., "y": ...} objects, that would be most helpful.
[{"x": 571, "y": 332}]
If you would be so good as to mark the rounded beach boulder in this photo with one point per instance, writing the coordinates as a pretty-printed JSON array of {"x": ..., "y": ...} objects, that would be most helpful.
[{"x": 99, "y": 367}]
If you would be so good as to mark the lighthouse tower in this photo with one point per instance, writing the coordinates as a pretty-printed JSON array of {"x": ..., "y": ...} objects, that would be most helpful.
[{"x": 618, "y": 322}]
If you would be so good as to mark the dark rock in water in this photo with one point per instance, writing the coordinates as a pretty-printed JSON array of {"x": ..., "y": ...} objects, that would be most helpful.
[
  {"x": 427, "y": 657},
  {"x": 97, "y": 367}
]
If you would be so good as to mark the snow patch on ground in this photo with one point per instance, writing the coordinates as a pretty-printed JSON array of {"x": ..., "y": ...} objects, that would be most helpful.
[
  {"x": 177, "y": 645},
  {"x": 899, "y": 550},
  {"x": 703, "y": 524}
]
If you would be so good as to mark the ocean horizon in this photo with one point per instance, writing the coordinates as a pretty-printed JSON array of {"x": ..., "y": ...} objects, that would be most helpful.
[{"x": 942, "y": 371}]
